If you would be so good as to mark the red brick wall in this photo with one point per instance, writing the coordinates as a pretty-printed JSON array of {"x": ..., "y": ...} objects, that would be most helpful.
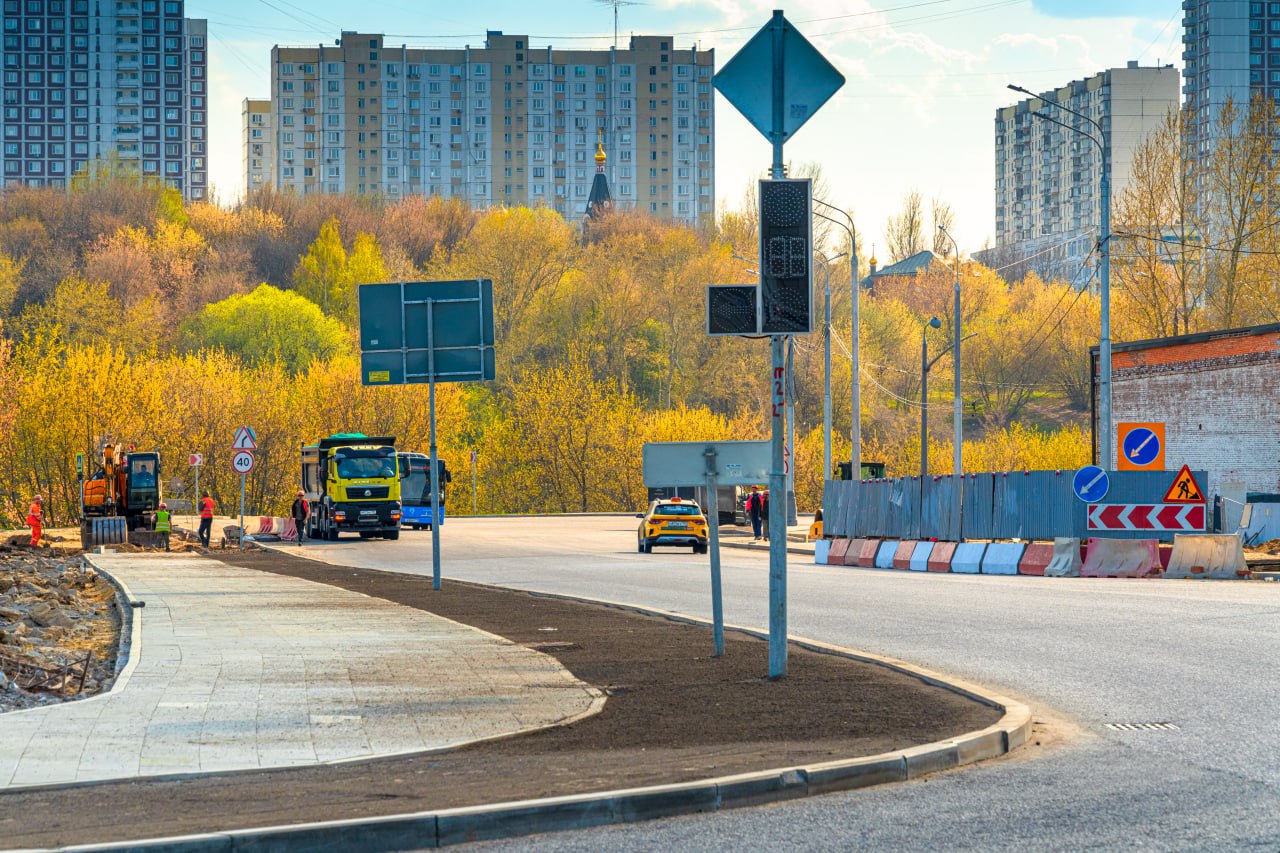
[{"x": 1219, "y": 400}]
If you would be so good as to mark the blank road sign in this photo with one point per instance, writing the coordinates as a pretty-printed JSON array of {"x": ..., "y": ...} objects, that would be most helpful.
[
  {"x": 746, "y": 80},
  {"x": 397, "y": 343},
  {"x": 684, "y": 463}
]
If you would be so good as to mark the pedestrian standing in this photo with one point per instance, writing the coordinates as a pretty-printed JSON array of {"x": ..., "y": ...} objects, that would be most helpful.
[
  {"x": 35, "y": 519},
  {"x": 753, "y": 511},
  {"x": 206, "y": 519},
  {"x": 164, "y": 525},
  {"x": 764, "y": 513},
  {"x": 300, "y": 510}
]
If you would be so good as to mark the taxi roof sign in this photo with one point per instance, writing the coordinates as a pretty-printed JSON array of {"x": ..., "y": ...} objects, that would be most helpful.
[{"x": 1184, "y": 489}]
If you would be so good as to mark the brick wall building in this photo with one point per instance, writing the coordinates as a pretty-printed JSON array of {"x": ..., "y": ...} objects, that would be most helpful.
[{"x": 1218, "y": 394}]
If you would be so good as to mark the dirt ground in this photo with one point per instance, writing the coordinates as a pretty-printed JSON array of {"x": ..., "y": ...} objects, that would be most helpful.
[
  {"x": 59, "y": 627},
  {"x": 674, "y": 713}
]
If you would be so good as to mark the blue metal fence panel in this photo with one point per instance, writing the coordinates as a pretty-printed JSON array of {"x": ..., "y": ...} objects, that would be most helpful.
[
  {"x": 940, "y": 509},
  {"x": 979, "y": 505},
  {"x": 853, "y": 495},
  {"x": 833, "y": 497},
  {"x": 1032, "y": 504},
  {"x": 904, "y": 509}
]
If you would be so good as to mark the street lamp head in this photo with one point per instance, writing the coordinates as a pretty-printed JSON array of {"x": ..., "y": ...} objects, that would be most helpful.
[{"x": 935, "y": 322}]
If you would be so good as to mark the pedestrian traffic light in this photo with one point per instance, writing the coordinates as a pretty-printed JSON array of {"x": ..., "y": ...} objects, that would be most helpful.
[{"x": 786, "y": 245}]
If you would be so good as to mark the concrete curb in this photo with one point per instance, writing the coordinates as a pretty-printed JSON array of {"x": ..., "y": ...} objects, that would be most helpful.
[
  {"x": 505, "y": 820},
  {"x": 764, "y": 548}
]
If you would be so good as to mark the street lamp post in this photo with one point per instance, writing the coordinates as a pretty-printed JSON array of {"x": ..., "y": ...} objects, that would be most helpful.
[
  {"x": 957, "y": 426},
  {"x": 826, "y": 354},
  {"x": 855, "y": 376},
  {"x": 1103, "y": 140}
]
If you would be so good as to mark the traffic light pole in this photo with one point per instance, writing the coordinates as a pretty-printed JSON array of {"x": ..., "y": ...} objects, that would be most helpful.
[{"x": 778, "y": 387}]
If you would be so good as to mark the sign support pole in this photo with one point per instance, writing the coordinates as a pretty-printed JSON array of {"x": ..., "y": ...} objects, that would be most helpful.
[
  {"x": 475, "y": 489},
  {"x": 435, "y": 465},
  {"x": 713, "y": 522},
  {"x": 778, "y": 384},
  {"x": 242, "y": 512},
  {"x": 195, "y": 501}
]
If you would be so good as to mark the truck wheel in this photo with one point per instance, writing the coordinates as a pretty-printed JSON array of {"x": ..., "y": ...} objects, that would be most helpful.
[{"x": 392, "y": 534}]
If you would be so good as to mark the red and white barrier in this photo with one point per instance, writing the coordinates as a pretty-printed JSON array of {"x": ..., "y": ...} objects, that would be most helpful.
[
  {"x": 1036, "y": 558},
  {"x": 1121, "y": 558},
  {"x": 866, "y": 556},
  {"x": 839, "y": 547},
  {"x": 902, "y": 556},
  {"x": 941, "y": 555}
]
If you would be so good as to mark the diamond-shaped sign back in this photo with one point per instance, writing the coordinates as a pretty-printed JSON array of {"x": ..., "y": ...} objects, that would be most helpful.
[{"x": 808, "y": 80}]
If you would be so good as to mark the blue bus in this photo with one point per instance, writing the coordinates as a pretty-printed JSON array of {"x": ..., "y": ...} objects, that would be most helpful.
[{"x": 415, "y": 490}]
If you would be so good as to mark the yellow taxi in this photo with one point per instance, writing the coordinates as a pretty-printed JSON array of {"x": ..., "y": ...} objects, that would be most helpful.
[{"x": 672, "y": 521}]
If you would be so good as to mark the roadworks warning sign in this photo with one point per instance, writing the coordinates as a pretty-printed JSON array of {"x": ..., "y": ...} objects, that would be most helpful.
[{"x": 1185, "y": 489}]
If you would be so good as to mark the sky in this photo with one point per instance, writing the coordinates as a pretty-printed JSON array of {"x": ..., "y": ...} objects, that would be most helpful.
[{"x": 923, "y": 77}]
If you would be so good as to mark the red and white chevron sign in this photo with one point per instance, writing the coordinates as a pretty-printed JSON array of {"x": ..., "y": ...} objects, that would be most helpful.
[{"x": 1146, "y": 517}]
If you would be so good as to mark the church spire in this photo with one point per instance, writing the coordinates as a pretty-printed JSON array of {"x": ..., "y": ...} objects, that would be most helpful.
[{"x": 599, "y": 199}]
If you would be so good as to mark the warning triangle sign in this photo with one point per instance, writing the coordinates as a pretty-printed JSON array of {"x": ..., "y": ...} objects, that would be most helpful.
[
  {"x": 1185, "y": 489},
  {"x": 246, "y": 439}
]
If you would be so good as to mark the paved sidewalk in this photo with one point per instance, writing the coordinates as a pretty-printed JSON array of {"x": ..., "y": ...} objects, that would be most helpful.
[{"x": 234, "y": 669}]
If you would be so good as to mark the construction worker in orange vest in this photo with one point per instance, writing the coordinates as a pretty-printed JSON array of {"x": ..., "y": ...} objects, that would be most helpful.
[{"x": 35, "y": 517}]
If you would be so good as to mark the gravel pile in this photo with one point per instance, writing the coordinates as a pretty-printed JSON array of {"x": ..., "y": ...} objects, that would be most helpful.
[{"x": 59, "y": 628}]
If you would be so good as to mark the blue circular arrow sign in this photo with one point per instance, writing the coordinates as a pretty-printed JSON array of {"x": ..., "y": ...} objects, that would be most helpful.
[
  {"x": 1141, "y": 446},
  {"x": 1091, "y": 484}
]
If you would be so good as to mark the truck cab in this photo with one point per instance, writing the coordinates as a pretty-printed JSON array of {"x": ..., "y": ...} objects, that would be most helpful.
[{"x": 352, "y": 483}]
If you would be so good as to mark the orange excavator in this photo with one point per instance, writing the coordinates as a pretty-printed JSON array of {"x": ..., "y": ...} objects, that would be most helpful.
[{"x": 120, "y": 496}]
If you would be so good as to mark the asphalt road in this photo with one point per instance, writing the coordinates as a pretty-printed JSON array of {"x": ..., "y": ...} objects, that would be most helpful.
[{"x": 1084, "y": 652}]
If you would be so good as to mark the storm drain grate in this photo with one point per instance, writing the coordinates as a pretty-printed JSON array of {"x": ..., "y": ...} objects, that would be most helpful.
[{"x": 1142, "y": 727}]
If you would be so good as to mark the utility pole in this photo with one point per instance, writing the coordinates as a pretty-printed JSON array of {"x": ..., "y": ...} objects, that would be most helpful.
[{"x": 957, "y": 427}]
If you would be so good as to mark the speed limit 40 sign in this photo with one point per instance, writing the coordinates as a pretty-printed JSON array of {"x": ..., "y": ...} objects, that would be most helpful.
[{"x": 242, "y": 462}]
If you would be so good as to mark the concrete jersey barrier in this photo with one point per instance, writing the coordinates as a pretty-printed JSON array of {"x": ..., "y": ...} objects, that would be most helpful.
[
  {"x": 884, "y": 556},
  {"x": 1207, "y": 555},
  {"x": 1002, "y": 558},
  {"x": 968, "y": 557},
  {"x": 920, "y": 556}
]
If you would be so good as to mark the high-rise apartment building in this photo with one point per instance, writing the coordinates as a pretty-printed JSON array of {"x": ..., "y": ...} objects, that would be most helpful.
[
  {"x": 104, "y": 79},
  {"x": 505, "y": 124},
  {"x": 1048, "y": 178},
  {"x": 1231, "y": 49}
]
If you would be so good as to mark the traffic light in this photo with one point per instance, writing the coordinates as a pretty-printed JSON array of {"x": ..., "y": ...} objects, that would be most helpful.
[
  {"x": 786, "y": 247},
  {"x": 731, "y": 309}
]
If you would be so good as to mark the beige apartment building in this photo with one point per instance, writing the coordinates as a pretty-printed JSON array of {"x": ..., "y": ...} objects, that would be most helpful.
[
  {"x": 505, "y": 124},
  {"x": 1048, "y": 178}
]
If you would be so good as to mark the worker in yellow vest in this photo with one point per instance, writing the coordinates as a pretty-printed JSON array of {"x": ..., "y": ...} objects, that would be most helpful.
[{"x": 163, "y": 525}]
